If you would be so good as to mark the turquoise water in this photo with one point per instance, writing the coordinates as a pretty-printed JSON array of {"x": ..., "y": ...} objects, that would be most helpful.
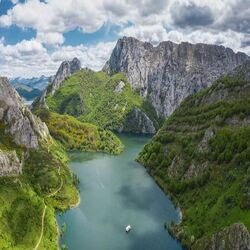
[{"x": 116, "y": 191}]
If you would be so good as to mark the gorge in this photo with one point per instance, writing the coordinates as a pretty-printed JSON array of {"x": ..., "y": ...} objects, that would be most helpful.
[{"x": 194, "y": 99}]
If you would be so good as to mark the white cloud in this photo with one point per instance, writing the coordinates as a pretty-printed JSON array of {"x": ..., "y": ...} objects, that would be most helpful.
[
  {"x": 5, "y": 21},
  {"x": 50, "y": 38},
  {"x": 52, "y": 18},
  {"x": 157, "y": 33},
  {"x": 150, "y": 33},
  {"x": 55, "y": 16},
  {"x": 30, "y": 58},
  {"x": 149, "y": 20}
]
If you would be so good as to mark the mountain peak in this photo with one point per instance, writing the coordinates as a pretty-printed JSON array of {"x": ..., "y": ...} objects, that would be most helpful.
[
  {"x": 168, "y": 73},
  {"x": 66, "y": 69},
  {"x": 25, "y": 128}
]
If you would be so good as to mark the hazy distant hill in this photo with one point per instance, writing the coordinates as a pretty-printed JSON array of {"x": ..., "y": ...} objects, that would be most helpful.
[{"x": 30, "y": 88}]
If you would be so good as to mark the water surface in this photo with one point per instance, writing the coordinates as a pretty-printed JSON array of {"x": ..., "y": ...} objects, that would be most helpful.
[{"x": 116, "y": 191}]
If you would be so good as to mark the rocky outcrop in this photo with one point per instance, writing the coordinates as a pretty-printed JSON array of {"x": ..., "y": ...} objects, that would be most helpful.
[
  {"x": 66, "y": 69},
  {"x": 119, "y": 87},
  {"x": 25, "y": 128},
  {"x": 9, "y": 163},
  {"x": 138, "y": 122},
  {"x": 234, "y": 237},
  {"x": 242, "y": 70},
  {"x": 170, "y": 72}
]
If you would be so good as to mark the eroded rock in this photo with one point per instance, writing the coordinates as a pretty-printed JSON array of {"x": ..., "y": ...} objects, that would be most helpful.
[
  {"x": 170, "y": 72},
  {"x": 234, "y": 237},
  {"x": 10, "y": 164}
]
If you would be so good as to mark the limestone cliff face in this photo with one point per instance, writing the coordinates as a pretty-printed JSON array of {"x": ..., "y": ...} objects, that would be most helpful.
[
  {"x": 66, "y": 69},
  {"x": 234, "y": 237},
  {"x": 188, "y": 148},
  {"x": 138, "y": 122},
  {"x": 25, "y": 128},
  {"x": 10, "y": 164},
  {"x": 168, "y": 73}
]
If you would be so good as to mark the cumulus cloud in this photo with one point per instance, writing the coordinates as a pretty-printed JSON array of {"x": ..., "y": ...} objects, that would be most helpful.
[
  {"x": 223, "y": 22},
  {"x": 30, "y": 58},
  {"x": 50, "y": 38},
  {"x": 52, "y": 18},
  {"x": 191, "y": 15},
  {"x": 236, "y": 17},
  {"x": 156, "y": 33}
]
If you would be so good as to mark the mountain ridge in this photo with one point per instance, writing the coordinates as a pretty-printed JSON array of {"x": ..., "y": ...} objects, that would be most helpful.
[
  {"x": 201, "y": 158},
  {"x": 169, "y": 72}
]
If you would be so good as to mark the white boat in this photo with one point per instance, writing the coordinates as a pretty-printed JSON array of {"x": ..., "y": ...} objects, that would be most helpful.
[{"x": 128, "y": 228}]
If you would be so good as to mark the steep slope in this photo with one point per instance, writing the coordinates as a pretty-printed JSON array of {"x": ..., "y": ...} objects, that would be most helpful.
[
  {"x": 76, "y": 135},
  {"x": 201, "y": 156},
  {"x": 20, "y": 123},
  {"x": 66, "y": 69},
  {"x": 32, "y": 168},
  {"x": 170, "y": 72},
  {"x": 108, "y": 102}
]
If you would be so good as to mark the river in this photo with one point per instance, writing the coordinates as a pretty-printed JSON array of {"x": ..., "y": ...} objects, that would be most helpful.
[{"x": 116, "y": 191}]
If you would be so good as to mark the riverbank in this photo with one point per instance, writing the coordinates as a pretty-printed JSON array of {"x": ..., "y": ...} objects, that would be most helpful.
[{"x": 117, "y": 191}]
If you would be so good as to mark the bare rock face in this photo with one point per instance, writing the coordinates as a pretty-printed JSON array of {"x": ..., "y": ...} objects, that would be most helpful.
[
  {"x": 66, "y": 69},
  {"x": 138, "y": 122},
  {"x": 9, "y": 163},
  {"x": 234, "y": 237},
  {"x": 25, "y": 128},
  {"x": 170, "y": 72},
  {"x": 243, "y": 70},
  {"x": 119, "y": 87}
]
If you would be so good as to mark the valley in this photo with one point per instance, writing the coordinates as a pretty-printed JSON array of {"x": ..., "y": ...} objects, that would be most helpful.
[
  {"x": 116, "y": 191},
  {"x": 159, "y": 139}
]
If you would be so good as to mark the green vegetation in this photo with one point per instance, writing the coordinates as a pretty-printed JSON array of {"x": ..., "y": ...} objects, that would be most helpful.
[
  {"x": 45, "y": 185},
  {"x": 201, "y": 156},
  {"x": 20, "y": 216},
  {"x": 76, "y": 135},
  {"x": 91, "y": 97}
]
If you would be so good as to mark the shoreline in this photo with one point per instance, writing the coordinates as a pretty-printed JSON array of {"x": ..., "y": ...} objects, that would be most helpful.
[{"x": 72, "y": 206}]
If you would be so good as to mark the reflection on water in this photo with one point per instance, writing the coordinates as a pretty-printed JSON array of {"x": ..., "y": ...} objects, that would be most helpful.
[{"x": 117, "y": 191}]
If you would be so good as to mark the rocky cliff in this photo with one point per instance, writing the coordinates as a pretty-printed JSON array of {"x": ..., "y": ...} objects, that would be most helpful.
[
  {"x": 201, "y": 157},
  {"x": 10, "y": 164},
  {"x": 234, "y": 237},
  {"x": 106, "y": 101},
  {"x": 168, "y": 73},
  {"x": 20, "y": 124},
  {"x": 66, "y": 69},
  {"x": 138, "y": 122}
]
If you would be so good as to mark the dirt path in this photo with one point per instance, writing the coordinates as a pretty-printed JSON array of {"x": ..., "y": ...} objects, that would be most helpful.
[
  {"x": 61, "y": 184},
  {"x": 44, "y": 210},
  {"x": 52, "y": 194},
  {"x": 41, "y": 235}
]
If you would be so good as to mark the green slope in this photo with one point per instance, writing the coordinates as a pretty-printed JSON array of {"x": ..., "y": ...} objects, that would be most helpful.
[
  {"x": 46, "y": 181},
  {"x": 201, "y": 156},
  {"x": 76, "y": 135},
  {"x": 91, "y": 97}
]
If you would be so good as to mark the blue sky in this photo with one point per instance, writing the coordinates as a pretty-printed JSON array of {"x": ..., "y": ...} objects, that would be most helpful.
[{"x": 35, "y": 36}]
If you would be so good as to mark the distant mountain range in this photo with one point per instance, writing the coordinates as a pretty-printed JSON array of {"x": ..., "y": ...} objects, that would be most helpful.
[
  {"x": 34, "y": 82},
  {"x": 30, "y": 88}
]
